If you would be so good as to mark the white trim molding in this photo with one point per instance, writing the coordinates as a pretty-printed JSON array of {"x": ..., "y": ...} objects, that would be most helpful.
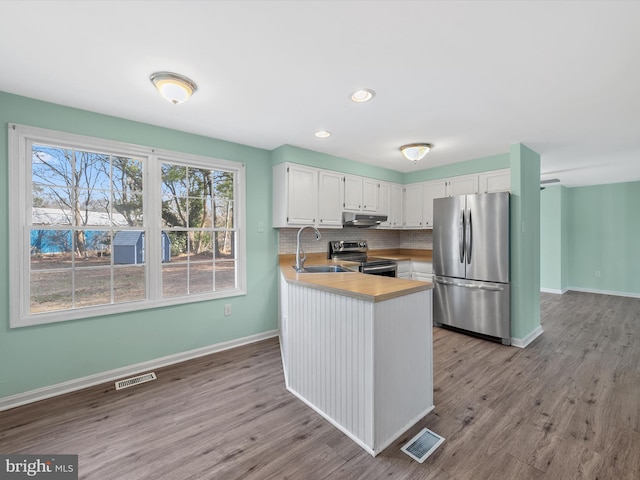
[
  {"x": 605, "y": 292},
  {"x": 112, "y": 375},
  {"x": 523, "y": 342},
  {"x": 554, "y": 290}
]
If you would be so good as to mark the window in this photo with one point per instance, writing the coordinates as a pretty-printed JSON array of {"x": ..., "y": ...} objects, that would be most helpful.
[{"x": 100, "y": 227}]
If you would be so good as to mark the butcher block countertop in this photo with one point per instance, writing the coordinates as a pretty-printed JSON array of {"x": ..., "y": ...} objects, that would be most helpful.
[
  {"x": 400, "y": 254},
  {"x": 372, "y": 288}
]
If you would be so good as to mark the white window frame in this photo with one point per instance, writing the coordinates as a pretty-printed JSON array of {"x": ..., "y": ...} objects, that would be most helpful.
[{"x": 20, "y": 197}]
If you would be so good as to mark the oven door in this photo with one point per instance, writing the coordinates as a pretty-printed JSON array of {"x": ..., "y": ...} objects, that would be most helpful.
[{"x": 387, "y": 270}]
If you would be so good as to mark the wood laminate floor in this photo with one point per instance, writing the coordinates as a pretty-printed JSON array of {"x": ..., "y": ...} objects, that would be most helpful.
[{"x": 566, "y": 407}]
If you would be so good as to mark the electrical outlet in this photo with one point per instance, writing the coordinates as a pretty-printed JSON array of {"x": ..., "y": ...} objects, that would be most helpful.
[
  {"x": 597, "y": 273},
  {"x": 227, "y": 310},
  {"x": 260, "y": 227}
]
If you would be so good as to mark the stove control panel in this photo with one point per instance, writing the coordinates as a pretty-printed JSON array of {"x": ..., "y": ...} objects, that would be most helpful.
[{"x": 338, "y": 246}]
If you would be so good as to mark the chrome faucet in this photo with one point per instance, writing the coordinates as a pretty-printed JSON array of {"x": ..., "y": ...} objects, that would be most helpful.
[{"x": 299, "y": 250}]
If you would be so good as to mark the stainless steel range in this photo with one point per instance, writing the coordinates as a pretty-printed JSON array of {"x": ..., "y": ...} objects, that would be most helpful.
[{"x": 356, "y": 251}]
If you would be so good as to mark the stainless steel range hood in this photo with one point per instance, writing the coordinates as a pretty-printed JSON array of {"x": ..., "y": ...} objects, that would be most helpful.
[{"x": 362, "y": 220}]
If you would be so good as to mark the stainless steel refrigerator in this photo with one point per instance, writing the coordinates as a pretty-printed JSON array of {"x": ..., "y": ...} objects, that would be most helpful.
[{"x": 471, "y": 264}]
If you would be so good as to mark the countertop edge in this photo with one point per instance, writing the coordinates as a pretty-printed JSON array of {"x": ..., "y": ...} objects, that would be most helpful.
[{"x": 353, "y": 284}]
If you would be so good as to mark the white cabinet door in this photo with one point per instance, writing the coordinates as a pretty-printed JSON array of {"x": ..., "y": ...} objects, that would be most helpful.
[
  {"x": 413, "y": 205},
  {"x": 352, "y": 193},
  {"x": 330, "y": 186},
  {"x": 303, "y": 195},
  {"x": 432, "y": 190},
  {"x": 495, "y": 181},
  {"x": 370, "y": 195},
  {"x": 397, "y": 206},
  {"x": 421, "y": 271},
  {"x": 462, "y": 185},
  {"x": 295, "y": 195},
  {"x": 404, "y": 269},
  {"x": 384, "y": 204}
]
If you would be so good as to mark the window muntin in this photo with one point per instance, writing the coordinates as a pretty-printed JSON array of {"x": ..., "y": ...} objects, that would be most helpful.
[
  {"x": 74, "y": 198},
  {"x": 77, "y": 197},
  {"x": 198, "y": 216}
]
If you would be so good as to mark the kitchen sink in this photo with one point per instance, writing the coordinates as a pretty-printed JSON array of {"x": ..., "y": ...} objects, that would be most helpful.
[{"x": 325, "y": 269}]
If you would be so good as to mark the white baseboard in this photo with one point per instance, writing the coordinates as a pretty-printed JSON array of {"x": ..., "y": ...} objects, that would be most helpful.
[
  {"x": 605, "y": 292},
  {"x": 554, "y": 290},
  {"x": 523, "y": 342},
  {"x": 112, "y": 375}
]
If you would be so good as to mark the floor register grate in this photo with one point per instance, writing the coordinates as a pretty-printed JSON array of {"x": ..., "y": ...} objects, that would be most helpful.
[
  {"x": 130, "y": 382},
  {"x": 422, "y": 445}
]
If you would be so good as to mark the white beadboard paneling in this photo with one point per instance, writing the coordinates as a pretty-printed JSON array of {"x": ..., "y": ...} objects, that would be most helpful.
[
  {"x": 366, "y": 367},
  {"x": 330, "y": 357},
  {"x": 403, "y": 365}
]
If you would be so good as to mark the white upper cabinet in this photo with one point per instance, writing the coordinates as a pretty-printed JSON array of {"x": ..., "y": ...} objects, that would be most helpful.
[
  {"x": 391, "y": 204},
  {"x": 462, "y": 185},
  {"x": 352, "y": 193},
  {"x": 330, "y": 196},
  {"x": 370, "y": 195},
  {"x": 310, "y": 196},
  {"x": 495, "y": 181},
  {"x": 432, "y": 190},
  {"x": 361, "y": 194},
  {"x": 295, "y": 195},
  {"x": 384, "y": 207},
  {"x": 397, "y": 205},
  {"x": 413, "y": 205}
]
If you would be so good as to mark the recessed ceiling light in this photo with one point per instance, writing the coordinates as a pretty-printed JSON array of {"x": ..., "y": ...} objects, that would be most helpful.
[
  {"x": 323, "y": 134},
  {"x": 363, "y": 95}
]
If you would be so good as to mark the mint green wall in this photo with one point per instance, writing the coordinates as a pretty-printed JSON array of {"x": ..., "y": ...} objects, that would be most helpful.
[
  {"x": 477, "y": 165},
  {"x": 565, "y": 247},
  {"x": 525, "y": 241},
  {"x": 604, "y": 234},
  {"x": 551, "y": 238},
  {"x": 39, "y": 356},
  {"x": 289, "y": 153}
]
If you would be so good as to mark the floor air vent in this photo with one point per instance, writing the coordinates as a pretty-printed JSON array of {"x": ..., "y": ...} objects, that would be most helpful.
[
  {"x": 422, "y": 445},
  {"x": 130, "y": 382}
]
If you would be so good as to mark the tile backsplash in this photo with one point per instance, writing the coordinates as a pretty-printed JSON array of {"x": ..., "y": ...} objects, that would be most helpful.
[{"x": 377, "y": 239}]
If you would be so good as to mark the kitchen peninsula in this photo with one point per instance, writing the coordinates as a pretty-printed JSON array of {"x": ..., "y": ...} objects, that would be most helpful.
[{"x": 357, "y": 349}]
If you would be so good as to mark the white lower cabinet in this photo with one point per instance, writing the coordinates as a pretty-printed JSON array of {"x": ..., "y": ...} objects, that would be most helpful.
[
  {"x": 421, "y": 271},
  {"x": 404, "y": 269}
]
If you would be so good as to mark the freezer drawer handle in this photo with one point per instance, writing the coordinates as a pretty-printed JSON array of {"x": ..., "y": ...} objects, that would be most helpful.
[{"x": 470, "y": 285}]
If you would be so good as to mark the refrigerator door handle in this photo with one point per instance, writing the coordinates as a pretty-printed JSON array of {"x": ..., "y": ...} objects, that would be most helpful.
[
  {"x": 461, "y": 232},
  {"x": 468, "y": 236},
  {"x": 490, "y": 288}
]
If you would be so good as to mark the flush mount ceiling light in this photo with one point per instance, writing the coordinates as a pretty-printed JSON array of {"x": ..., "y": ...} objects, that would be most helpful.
[
  {"x": 173, "y": 87},
  {"x": 323, "y": 134},
  {"x": 363, "y": 95},
  {"x": 415, "y": 151}
]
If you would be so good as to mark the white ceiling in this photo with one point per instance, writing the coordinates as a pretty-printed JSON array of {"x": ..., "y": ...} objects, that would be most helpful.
[{"x": 471, "y": 77}]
